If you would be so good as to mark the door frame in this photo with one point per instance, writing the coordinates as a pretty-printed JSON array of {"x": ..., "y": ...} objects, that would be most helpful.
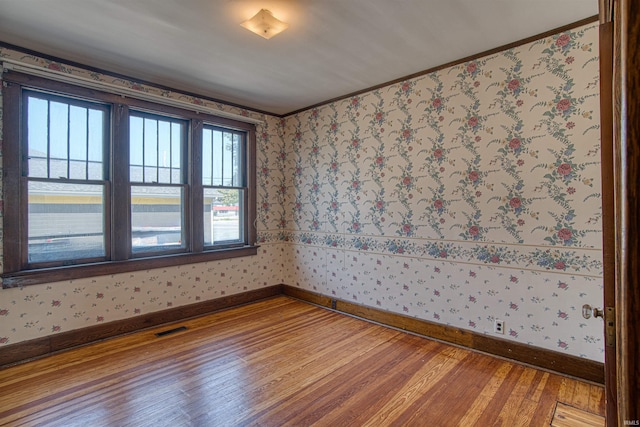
[
  {"x": 624, "y": 375},
  {"x": 608, "y": 202}
]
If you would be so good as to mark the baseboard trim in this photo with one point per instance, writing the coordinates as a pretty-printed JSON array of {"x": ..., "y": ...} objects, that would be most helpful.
[
  {"x": 541, "y": 358},
  {"x": 546, "y": 359},
  {"x": 40, "y": 347}
]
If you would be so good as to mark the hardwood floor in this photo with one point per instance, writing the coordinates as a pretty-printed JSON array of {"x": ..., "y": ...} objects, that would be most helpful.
[
  {"x": 282, "y": 362},
  {"x": 568, "y": 416}
]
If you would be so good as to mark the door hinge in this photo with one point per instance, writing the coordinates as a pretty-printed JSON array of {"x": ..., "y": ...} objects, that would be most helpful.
[{"x": 610, "y": 326}]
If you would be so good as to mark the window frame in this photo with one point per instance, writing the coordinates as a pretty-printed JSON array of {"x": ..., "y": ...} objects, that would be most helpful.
[
  {"x": 185, "y": 169},
  {"x": 243, "y": 185},
  {"x": 15, "y": 270},
  {"x": 105, "y": 108}
]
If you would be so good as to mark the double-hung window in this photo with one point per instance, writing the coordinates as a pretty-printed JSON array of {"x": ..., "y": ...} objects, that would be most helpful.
[
  {"x": 95, "y": 184},
  {"x": 66, "y": 189},
  {"x": 157, "y": 183},
  {"x": 224, "y": 186}
]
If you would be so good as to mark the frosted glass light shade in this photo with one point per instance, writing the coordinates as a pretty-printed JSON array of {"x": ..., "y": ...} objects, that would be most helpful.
[{"x": 265, "y": 24}]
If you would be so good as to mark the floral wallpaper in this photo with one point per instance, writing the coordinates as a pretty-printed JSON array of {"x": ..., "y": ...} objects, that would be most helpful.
[
  {"x": 40, "y": 310},
  {"x": 35, "y": 311},
  {"x": 462, "y": 196}
]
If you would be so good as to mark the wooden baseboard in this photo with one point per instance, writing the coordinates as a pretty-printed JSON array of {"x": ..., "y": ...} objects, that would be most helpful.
[
  {"x": 546, "y": 359},
  {"x": 535, "y": 356},
  {"x": 39, "y": 347}
]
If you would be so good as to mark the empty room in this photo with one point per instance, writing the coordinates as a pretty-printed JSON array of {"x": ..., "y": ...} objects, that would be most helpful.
[{"x": 295, "y": 212}]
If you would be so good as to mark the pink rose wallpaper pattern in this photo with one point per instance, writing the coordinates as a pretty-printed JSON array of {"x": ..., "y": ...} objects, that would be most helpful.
[{"x": 461, "y": 196}]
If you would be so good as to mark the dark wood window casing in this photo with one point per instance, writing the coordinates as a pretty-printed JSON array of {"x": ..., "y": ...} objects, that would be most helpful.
[{"x": 182, "y": 244}]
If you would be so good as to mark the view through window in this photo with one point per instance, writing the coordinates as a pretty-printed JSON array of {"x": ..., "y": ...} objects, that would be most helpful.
[
  {"x": 93, "y": 179},
  {"x": 66, "y": 185}
]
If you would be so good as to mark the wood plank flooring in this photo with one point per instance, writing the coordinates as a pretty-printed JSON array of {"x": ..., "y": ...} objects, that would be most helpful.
[
  {"x": 568, "y": 416},
  {"x": 282, "y": 362}
]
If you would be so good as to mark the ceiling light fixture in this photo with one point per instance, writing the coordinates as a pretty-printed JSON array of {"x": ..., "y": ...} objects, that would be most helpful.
[{"x": 265, "y": 24}]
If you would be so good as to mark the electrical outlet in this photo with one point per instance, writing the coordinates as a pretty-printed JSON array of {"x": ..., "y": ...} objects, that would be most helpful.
[{"x": 498, "y": 326}]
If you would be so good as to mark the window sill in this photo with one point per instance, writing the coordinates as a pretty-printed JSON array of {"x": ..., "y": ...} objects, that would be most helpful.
[{"x": 58, "y": 274}]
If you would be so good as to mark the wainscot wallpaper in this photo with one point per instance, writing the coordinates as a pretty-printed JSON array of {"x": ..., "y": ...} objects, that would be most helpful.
[
  {"x": 458, "y": 197},
  {"x": 462, "y": 196}
]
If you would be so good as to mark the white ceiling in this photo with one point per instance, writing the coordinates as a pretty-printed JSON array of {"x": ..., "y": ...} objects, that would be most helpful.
[{"x": 332, "y": 47}]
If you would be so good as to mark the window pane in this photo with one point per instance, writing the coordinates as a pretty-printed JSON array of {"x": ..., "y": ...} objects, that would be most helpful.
[
  {"x": 223, "y": 215},
  {"x": 78, "y": 132},
  {"x": 78, "y": 143},
  {"x": 96, "y": 123},
  {"x": 64, "y": 140},
  {"x": 164, "y": 152},
  {"x": 58, "y": 139},
  {"x": 177, "y": 131},
  {"x": 135, "y": 149},
  {"x": 207, "y": 141},
  {"x": 66, "y": 221},
  {"x": 236, "y": 153},
  {"x": 156, "y": 218},
  {"x": 38, "y": 135},
  {"x": 217, "y": 148},
  {"x": 227, "y": 159},
  {"x": 222, "y": 160},
  {"x": 150, "y": 150},
  {"x": 155, "y": 150}
]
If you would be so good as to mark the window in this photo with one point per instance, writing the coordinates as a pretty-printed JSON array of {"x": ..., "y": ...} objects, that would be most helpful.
[
  {"x": 223, "y": 185},
  {"x": 66, "y": 187},
  {"x": 157, "y": 182},
  {"x": 96, "y": 184}
]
